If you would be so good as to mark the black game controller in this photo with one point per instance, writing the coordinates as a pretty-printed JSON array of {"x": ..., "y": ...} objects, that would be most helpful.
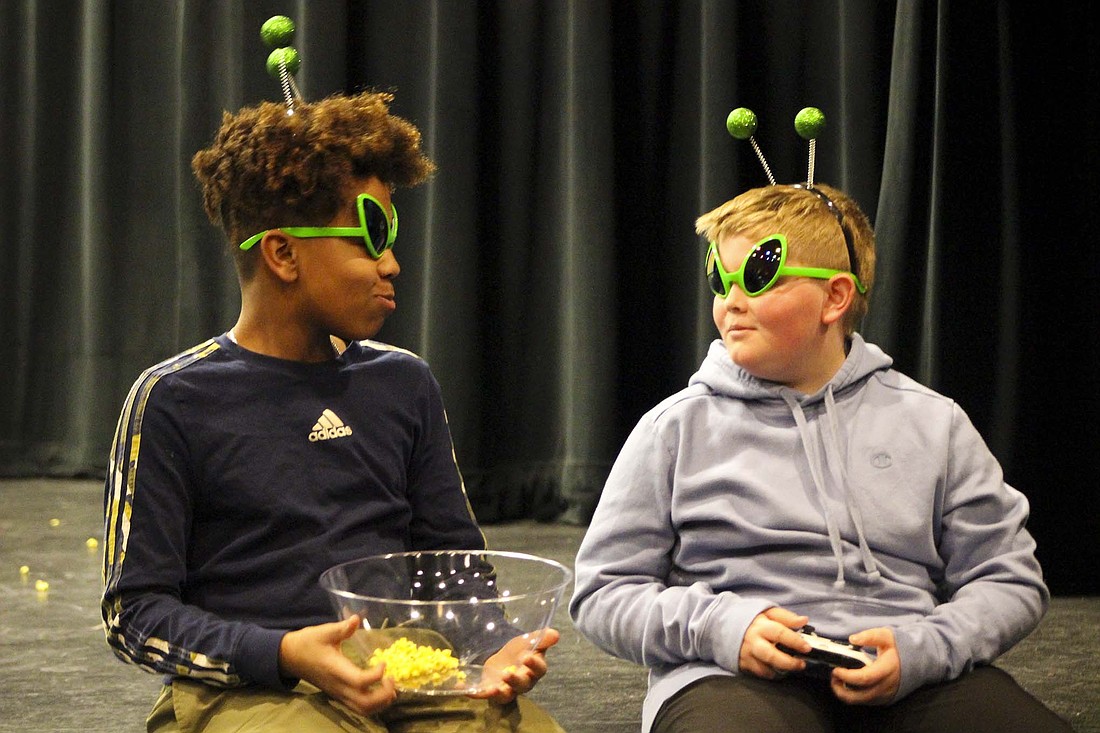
[{"x": 828, "y": 652}]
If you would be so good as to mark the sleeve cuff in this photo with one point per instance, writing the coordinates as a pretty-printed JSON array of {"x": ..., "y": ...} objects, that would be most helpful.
[
  {"x": 726, "y": 627},
  {"x": 259, "y": 659},
  {"x": 918, "y": 664}
]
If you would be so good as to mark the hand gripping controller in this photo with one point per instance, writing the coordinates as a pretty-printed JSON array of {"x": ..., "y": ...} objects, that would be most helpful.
[{"x": 828, "y": 652}]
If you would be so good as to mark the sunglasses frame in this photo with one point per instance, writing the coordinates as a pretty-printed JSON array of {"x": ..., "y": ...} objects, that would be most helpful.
[
  {"x": 362, "y": 230},
  {"x": 737, "y": 277}
]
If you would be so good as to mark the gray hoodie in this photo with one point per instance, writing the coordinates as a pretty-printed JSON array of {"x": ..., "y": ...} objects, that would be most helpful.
[{"x": 873, "y": 502}]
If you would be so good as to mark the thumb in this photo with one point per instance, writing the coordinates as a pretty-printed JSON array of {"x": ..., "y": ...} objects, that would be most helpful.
[
  {"x": 340, "y": 630},
  {"x": 549, "y": 638},
  {"x": 876, "y": 638}
]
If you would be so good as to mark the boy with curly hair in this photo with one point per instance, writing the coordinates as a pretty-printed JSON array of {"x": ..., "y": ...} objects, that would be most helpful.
[
  {"x": 247, "y": 465},
  {"x": 800, "y": 481}
]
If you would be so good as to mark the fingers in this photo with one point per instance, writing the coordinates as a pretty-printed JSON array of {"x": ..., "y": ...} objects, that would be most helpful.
[
  {"x": 517, "y": 659},
  {"x": 760, "y": 655},
  {"x": 518, "y": 667},
  {"x": 313, "y": 654},
  {"x": 790, "y": 639},
  {"x": 500, "y": 695},
  {"x": 516, "y": 680},
  {"x": 512, "y": 681},
  {"x": 770, "y": 663},
  {"x": 851, "y": 688},
  {"x": 519, "y": 678},
  {"x": 878, "y": 682},
  {"x": 368, "y": 698},
  {"x": 366, "y": 691},
  {"x": 371, "y": 675},
  {"x": 346, "y": 677},
  {"x": 790, "y": 619},
  {"x": 533, "y": 665}
]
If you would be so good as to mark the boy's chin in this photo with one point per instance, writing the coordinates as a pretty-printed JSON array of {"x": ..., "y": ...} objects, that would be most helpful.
[
  {"x": 361, "y": 333},
  {"x": 745, "y": 360}
]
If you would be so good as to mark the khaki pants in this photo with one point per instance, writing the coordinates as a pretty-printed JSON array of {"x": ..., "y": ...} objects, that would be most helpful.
[{"x": 187, "y": 706}]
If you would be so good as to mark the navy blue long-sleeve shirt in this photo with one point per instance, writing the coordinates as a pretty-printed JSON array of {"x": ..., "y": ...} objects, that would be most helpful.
[{"x": 236, "y": 479}]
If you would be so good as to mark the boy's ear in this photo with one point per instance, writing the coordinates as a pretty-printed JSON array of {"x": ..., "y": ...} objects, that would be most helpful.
[
  {"x": 840, "y": 291},
  {"x": 280, "y": 255}
]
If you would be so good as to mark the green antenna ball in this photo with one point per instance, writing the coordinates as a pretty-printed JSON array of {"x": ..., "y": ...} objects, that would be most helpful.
[
  {"x": 289, "y": 56},
  {"x": 277, "y": 31},
  {"x": 741, "y": 123},
  {"x": 809, "y": 123}
]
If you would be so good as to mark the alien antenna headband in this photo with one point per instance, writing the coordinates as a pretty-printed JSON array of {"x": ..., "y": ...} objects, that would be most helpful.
[
  {"x": 284, "y": 60},
  {"x": 808, "y": 123}
]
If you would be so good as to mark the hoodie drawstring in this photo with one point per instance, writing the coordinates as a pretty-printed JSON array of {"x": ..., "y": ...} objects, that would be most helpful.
[
  {"x": 832, "y": 451},
  {"x": 819, "y": 483}
]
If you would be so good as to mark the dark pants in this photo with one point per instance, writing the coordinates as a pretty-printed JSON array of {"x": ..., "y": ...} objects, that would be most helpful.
[{"x": 984, "y": 700}]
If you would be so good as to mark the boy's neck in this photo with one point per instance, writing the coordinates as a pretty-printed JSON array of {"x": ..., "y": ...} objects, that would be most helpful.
[
  {"x": 270, "y": 323},
  {"x": 821, "y": 370},
  {"x": 280, "y": 349},
  {"x": 270, "y": 332}
]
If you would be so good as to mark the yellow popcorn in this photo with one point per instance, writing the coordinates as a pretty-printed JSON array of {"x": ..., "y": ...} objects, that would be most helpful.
[{"x": 412, "y": 665}]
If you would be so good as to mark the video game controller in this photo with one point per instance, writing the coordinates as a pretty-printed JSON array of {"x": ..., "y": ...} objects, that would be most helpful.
[{"x": 829, "y": 652}]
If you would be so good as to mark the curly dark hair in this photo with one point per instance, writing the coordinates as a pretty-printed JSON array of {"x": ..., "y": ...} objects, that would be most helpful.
[{"x": 269, "y": 168}]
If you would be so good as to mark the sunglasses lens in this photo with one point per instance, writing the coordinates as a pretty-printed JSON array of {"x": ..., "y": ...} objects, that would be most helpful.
[
  {"x": 762, "y": 266},
  {"x": 377, "y": 226},
  {"x": 714, "y": 278}
]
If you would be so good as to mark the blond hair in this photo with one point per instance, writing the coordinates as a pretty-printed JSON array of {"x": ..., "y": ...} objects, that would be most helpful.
[{"x": 814, "y": 236}]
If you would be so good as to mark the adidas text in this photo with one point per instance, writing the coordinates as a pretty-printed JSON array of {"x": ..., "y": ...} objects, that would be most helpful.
[{"x": 329, "y": 433}]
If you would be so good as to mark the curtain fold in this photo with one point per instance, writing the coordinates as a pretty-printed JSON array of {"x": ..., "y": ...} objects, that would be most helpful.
[
  {"x": 550, "y": 271},
  {"x": 1006, "y": 377}
]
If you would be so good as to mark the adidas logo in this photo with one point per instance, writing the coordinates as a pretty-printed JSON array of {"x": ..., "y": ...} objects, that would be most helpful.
[{"x": 329, "y": 426}]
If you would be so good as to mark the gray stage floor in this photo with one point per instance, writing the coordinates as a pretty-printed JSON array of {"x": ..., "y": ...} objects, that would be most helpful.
[{"x": 57, "y": 676}]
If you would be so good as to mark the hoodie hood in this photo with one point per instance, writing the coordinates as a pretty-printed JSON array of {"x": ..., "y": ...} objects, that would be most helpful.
[
  {"x": 722, "y": 376},
  {"x": 821, "y": 433}
]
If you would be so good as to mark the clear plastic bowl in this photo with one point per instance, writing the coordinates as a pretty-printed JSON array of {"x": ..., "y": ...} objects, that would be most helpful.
[{"x": 471, "y": 602}]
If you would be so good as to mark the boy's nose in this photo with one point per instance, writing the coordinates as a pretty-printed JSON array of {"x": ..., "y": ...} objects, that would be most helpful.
[
  {"x": 388, "y": 267},
  {"x": 736, "y": 298}
]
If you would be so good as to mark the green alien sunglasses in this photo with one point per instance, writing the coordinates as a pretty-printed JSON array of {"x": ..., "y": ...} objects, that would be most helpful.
[
  {"x": 762, "y": 267},
  {"x": 377, "y": 231}
]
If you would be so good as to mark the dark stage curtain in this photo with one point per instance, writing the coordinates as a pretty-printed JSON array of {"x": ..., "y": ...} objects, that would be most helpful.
[{"x": 550, "y": 271}]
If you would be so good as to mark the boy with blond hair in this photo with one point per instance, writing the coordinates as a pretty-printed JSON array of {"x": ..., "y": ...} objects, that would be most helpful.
[{"x": 799, "y": 481}]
